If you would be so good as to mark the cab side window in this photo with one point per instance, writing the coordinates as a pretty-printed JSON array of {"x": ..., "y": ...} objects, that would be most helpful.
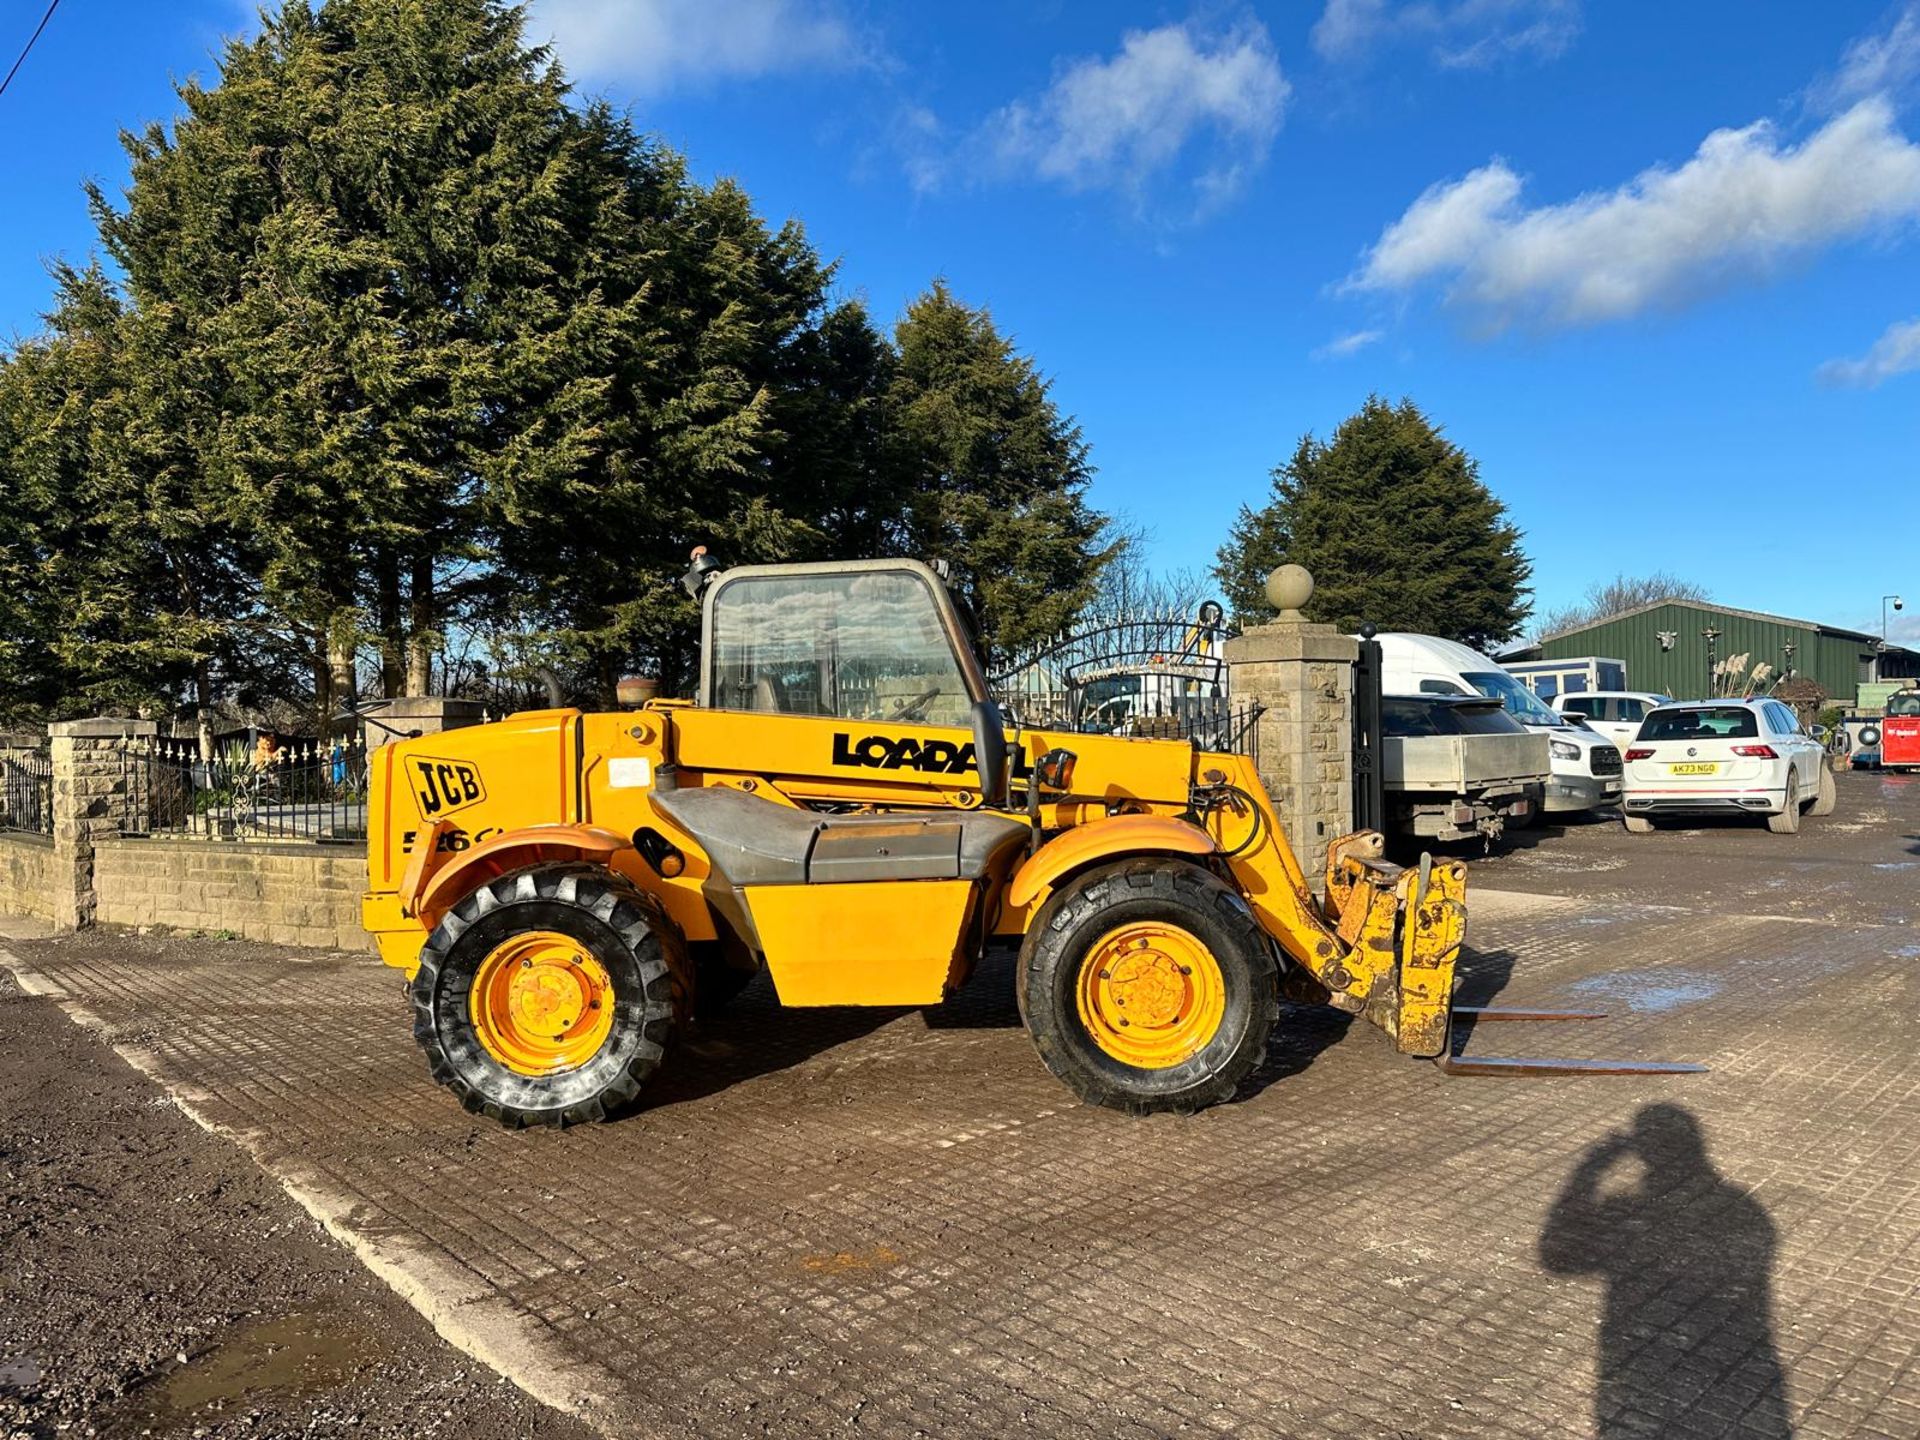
[
  {"x": 1582, "y": 705},
  {"x": 868, "y": 645}
]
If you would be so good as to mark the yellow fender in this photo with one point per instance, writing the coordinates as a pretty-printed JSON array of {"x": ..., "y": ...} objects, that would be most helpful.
[
  {"x": 1113, "y": 838},
  {"x": 429, "y": 893}
]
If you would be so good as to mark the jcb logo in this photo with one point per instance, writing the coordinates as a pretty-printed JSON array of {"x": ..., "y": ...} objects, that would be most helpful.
[
  {"x": 444, "y": 786},
  {"x": 931, "y": 757}
]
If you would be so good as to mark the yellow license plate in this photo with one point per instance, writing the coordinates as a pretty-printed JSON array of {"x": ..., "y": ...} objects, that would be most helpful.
[{"x": 1693, "y": 769}]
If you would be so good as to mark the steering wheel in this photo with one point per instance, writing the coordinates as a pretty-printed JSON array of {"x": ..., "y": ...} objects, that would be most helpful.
[{"x": 908, "y": 710}]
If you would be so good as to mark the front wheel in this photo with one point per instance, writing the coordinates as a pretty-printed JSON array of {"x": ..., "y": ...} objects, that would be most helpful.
[
  {"x": 1147, "y": 985},
  {"x": 549, "y": 995}
]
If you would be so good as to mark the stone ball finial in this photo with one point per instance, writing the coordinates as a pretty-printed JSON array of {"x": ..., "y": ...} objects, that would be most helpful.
[{"x": 1289, "y": 588}]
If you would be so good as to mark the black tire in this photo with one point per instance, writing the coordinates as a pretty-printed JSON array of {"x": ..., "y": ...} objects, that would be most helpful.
[
  {"x": 1829, "y": 795},
  {"x": 1787, "y": 822},
  {"x": 1168, "y": 891},
  {"x": 624, "y": 930}
]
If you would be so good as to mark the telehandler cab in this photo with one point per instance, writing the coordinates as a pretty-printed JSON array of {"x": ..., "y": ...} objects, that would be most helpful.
[{"x": 844, "y": 806}]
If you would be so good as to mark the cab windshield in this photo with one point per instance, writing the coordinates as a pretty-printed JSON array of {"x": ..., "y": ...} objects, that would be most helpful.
[
  {"x": 1521, "y": 703},
  {"x": 857, "y": 645}
]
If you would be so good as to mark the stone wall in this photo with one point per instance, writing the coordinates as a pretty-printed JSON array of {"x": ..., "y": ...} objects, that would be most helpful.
[
  {"x": 26, "y": 876},
  {"x": 282, "y": 894},
  {"x": 88, "y": 873}
]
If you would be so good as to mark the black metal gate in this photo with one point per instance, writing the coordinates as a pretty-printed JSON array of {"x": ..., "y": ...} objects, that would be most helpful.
[
  {"x": 1369, "y": 791},
  {"x": 26, "y": 791},
  {"x": 1163, "y": 676}
]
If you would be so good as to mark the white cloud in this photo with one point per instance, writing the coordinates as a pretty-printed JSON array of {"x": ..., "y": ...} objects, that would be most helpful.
[
  {"x": 654, "y": 45},
  {"x": 1463, "y": 33},
  {"x": 1120, "y": 121},
  {"x": 1895, "y": 353},
  {"x": 1341, "y": 346},
  {"x": 1878, "y": 64},
  {"x": 1740, "y": 206}
]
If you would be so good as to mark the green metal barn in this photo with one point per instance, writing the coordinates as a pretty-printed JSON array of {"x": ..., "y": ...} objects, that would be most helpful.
[{"x": 1671, "y": 647}]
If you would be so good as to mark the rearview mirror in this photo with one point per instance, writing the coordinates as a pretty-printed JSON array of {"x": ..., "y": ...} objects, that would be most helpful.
[{"x": 990, "y": 751}]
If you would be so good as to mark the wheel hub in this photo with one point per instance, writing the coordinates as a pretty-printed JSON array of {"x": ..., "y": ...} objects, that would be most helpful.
[
  {"x": 1151, "y": 995},
  {"x": 542, "y": 1003}
]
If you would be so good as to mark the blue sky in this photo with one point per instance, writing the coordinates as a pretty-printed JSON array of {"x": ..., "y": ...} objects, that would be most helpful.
[{"x": 1653, "y": 265}]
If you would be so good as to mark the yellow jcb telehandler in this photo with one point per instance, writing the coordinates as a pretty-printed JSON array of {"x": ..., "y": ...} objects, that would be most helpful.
[{"x": 845, "y": 806}]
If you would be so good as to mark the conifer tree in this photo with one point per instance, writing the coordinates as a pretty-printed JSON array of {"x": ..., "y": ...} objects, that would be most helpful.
[
  {"x": 1392, "y": 519},
  {"x": 407, "y": 340},
  {"x": 381, "y": 244},
  {"x": 996, "y": 475}
]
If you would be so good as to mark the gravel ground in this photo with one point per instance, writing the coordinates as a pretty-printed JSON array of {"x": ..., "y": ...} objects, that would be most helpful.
[{"x": 157, "y": 1283}]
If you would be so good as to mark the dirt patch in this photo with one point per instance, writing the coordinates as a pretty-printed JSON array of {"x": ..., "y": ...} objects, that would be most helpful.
[{"x": 156, "y": 1283}]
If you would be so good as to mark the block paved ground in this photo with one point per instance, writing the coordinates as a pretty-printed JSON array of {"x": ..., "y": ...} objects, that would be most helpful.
[{"x": 897, "y": 1223}]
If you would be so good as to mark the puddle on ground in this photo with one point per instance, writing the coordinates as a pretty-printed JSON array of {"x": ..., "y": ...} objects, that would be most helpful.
[
  {"x": 1908, "y": 952},
  {"x": 19, "y": 1373},
  {"x": 1655, "y": 993},
  {"x": 255, "y": 1363},
  {"x": 1897, "y": 865}
]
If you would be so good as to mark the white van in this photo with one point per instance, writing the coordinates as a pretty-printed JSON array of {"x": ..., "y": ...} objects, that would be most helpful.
[{"x": 1586, "y": 766}]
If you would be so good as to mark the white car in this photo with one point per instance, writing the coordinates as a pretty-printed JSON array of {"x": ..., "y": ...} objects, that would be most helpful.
[
  {"x": 1615, "y": 714},
  {"x": 1722, "y": 756}
]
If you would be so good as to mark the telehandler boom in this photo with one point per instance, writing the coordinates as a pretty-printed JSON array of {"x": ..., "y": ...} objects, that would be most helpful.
[{"x": 844, "y": 806}]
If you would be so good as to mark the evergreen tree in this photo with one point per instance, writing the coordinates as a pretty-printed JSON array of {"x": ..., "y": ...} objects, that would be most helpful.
[
  {"x": 739, "y": 409},
  {"x": 121, "y": 587},
  {"x": 996, "y": 475},
  {"x": 412, "y": 344},
  {"x": 380, "y": 243},
  {"x": 1394, "y": 523}
]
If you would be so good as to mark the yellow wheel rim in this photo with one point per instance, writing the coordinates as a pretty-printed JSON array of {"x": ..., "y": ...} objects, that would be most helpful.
[
  {"x": 542, "y": 1003},
  {"x": 1151, "y": 995}
]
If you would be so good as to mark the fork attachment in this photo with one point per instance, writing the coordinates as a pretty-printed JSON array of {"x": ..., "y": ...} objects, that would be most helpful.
[
  {"x": 1490, "y": 1065},
  {"x": 1401, "y": 932}
]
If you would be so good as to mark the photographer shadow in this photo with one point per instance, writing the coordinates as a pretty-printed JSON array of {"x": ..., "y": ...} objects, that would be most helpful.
[{"x": 1686, "y": 1344}]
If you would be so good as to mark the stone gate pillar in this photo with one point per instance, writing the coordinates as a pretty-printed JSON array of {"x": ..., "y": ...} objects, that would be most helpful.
[
  {"x": 1302, "y": 673},
  {"x": 89, "y": 790}
]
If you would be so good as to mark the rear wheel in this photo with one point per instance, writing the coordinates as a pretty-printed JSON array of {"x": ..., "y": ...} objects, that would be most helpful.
[
  {"x": 1829, "y": 795},
  {"x": 549, "y": 996},
  {"x": 1787, "y": 822},
  {"x": 1147, "y": 985},
  {"x": 1638, "y": 824}
]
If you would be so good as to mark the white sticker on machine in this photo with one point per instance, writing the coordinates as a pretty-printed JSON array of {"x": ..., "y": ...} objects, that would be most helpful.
[{"x": 630, "y": 772}]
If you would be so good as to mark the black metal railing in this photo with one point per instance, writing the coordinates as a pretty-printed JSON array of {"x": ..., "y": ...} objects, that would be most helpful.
[
  {"x": 306, "y": 790},
  {"x": 26, "y": 792}
]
